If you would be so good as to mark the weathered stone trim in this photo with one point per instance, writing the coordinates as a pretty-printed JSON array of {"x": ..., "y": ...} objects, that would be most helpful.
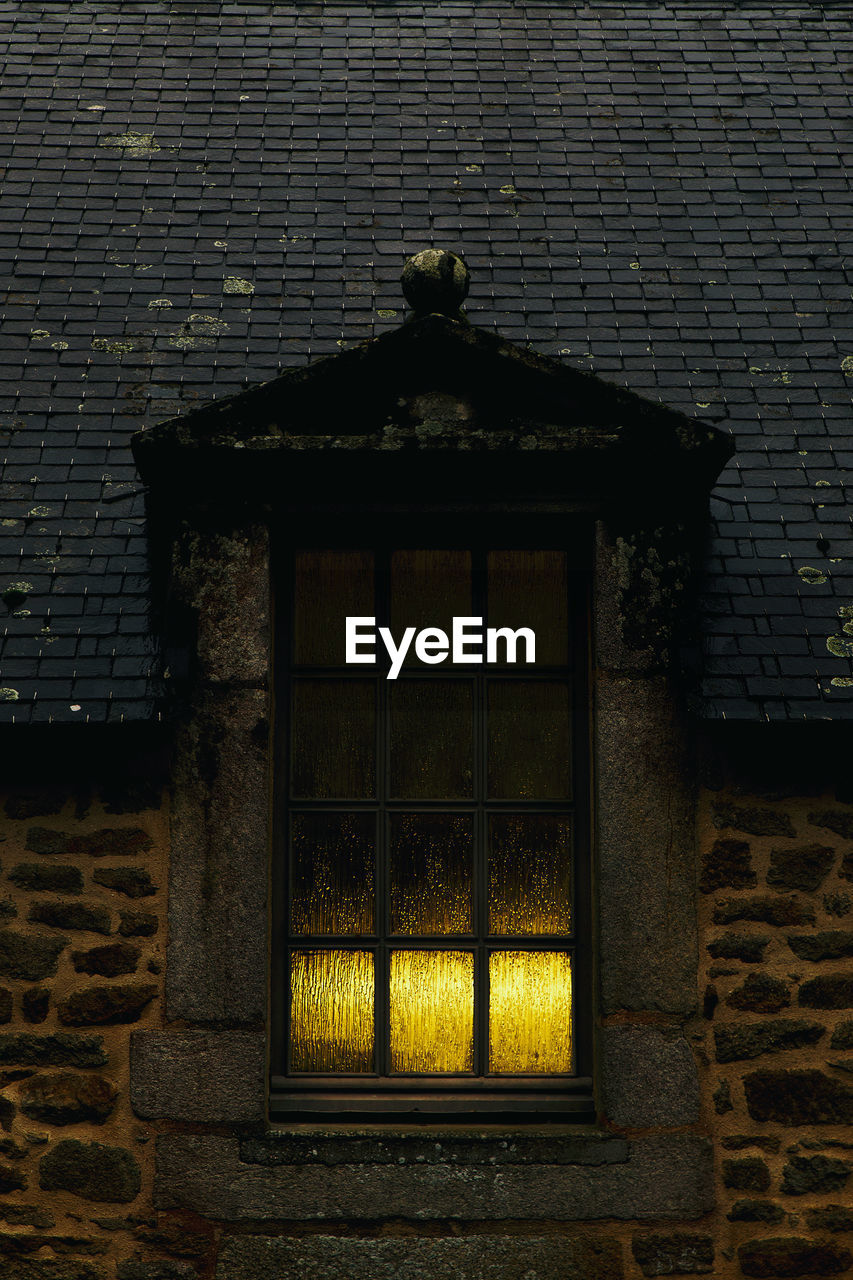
[
  {"x": 513, "y": 1258},
  {"x": 213, "y": 1077},
  {"x": 663, "y": 1177}
]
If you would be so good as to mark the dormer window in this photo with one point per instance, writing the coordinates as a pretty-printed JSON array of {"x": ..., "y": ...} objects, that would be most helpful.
[{"x": 432, "y": 838}]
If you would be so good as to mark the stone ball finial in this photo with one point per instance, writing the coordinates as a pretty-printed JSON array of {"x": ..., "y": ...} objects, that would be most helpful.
[{"x": 435, "y": 280}]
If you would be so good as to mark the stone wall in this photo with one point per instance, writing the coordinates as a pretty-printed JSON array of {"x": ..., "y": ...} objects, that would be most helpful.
[
  {"x": 776, "y": 978},
  {"x": 83, "y": 875}
]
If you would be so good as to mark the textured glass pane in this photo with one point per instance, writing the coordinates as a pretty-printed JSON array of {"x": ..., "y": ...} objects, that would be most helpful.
[
  {"x": 333, "y": 737},
  {"x": 329, "y": 586},
  {"x": 530, "y": 589},
  {"x": 430, "y": 872},
  {"x": 529, "y": 740},
  {"x": 332, "y": 883},
  {"x": 429, "y": 589},
  {"x": 530, "y": 874},
  {"x": 432, "y": 1011},
  {"x": 432, "y": 747},
  {"x": 530, "y": 1011},
  {"x": 331, "y": 1011}
]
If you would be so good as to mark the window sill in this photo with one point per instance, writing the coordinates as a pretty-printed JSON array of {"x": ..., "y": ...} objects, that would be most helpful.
[{"x": 473, "y": 1172}]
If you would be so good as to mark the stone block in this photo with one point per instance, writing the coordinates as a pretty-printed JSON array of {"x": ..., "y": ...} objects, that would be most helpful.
[
  {"x": 224, "y": 578},
  {"x": 103, "y": 1006},
  {"x": 830, "y": 1217},
  {"x": 208, "y": 1077},
  {"x": 71, "y": 915},
  {"x": 748, "y": 947},
  {"x": 29, "y": 956},
  {"x": 648, "y": 1077},
  {"x": 829, "y": 944},
  {"x": 217, "y": 954},
  {"x": 766, "y": 910},
  {"x": 138, "y": 924},
  {"x": 61, "y": 1050},
  {"x": 321, "y": 1257},
  {"x": 69, "y": 1098},
  {"x": 727, "y": 865},
  {"x": 760, "y": 993},
  {"x": 797, "y": 1098},
  {"x": 755, "y": 1211},
  {"x": 11, "y": 1179},
  {"x": 664, "y": 1177},
  {"x": 52, "y": 877},
  {"x": 681, "y": 1254},
  {"x": 832, "y": 991},
  {"x": 805, "y": 867},
  {"x": 646, "y": 848},
  {"x": 35, "y": 1004},
  {"x": 133, "y": 882},
  {"x": 804, "y": 1174},
  {"x": 93, "y": 1171},
  {"x": 735, "y": 1042},
  {"x": 108, "y": 842},
  {"x": 838, "y": 820},
  {"x": 748, "y": 1174},
  {"x": 108, "y": 961},
  {"x": 842, "y": 1036},
  {"x": 753, "y": 821},
  {"x": 162, "y": 1269},
  {"x": 793, "y": 1256}
]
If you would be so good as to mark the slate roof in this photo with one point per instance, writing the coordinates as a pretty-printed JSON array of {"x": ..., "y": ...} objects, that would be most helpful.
[{"x": 197, "y": 195}]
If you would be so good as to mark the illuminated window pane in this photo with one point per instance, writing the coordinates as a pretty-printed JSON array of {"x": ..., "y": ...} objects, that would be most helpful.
[
  {"x": 529, "y": 740},
  {"x": 530, "y": 874},
  {"x": 432, "y": 1011},
  {"x": 332, "y": 877},
  {"x": 529, "y": 589},
  {"x": 430, "y": 872},
  {"x": 432, "y": 739},
  {"x": 331, "y": 1011},
  {"x": 530, "y": 1012},
  {"x": 329, "y": 587},
  {"x": 334, "y": 731},
  {"x": 429, "y": 589}
]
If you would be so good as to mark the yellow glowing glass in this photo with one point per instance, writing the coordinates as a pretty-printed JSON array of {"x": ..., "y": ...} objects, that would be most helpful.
[
  {"x": 530, "y": 589},
  {"x": 332, "y": 885},
  {"x": 432, "y": 1011},
  {"x": 530, "y": 1011},
  {"x": 328, "y": 587},
  {"x": 331, "y": 1011},
  {"x": 430, "y": 864},
  {"x": 530, "y": 874}
]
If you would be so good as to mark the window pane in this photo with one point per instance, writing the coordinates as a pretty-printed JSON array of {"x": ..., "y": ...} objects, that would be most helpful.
[
  {"x": 331, "y": 1011},
  {"x": 530, "y": 874},
  {"x": 432, "y": 1011},
  {"x": 332, "y": 885},
  {"x": 529, "y": 589},
  {"x": 429, "y": 589},
  {"x": 329, "y": 586},
  {"x": 334, "y": 732},
  {"x": 530, "y": 1011},
  {"x": 529, "y": 740},
  {"x": 430, "y": 872},
  {"x": 432, "y": 746}
]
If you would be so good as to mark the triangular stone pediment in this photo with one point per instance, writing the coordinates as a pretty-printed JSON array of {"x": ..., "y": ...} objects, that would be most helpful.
[{"x": 432, "y": 387}]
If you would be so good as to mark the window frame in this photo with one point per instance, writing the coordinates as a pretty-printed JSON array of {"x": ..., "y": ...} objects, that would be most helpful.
[{"x": 317, "y": 1097}]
